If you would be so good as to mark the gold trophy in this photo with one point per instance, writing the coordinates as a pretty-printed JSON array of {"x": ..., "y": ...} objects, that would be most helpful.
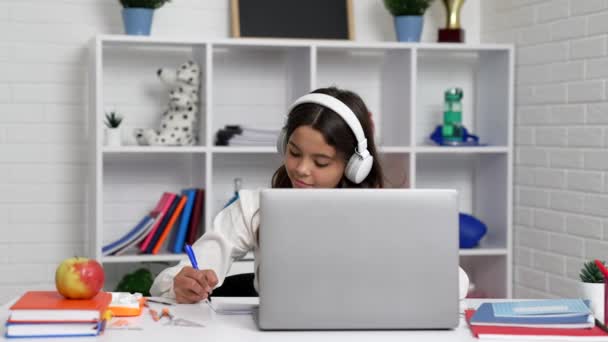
[{"x": 452, "y": 33}]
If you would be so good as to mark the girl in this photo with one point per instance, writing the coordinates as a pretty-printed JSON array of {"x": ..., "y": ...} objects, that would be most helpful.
[
  {"x": 319, "y": 147},
  {"x": 324, "y": 146}
]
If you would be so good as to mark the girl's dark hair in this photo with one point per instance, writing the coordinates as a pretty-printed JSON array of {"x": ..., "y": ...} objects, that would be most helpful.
[{"x": 337, "y": 133}]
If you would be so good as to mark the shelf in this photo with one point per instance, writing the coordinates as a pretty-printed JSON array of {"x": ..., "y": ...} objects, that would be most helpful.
[
  {"x": 461, "y": 150},
  {"x": 483, "y": 251},
  {"x": 129, "y": 40},
  {"x": 273, "y": 149},
  {"x": 250, "y": 257},
  {"x": 485, "y": 78},
  {"x": 154, "y": 149},
  {"x": 244, "y": 149},
  {"x": 251, "y": 82},
  {"x": 395, "y": 149},
  {"x": 143, "y": 258},
  {"x": 155, "y": 258}
]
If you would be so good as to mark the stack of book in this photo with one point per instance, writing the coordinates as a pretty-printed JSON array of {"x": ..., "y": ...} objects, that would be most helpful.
[
  {"x": 176, "y": 220},
  {"x": 49, "y": 314},
  {"x": 552, "y": 319}
]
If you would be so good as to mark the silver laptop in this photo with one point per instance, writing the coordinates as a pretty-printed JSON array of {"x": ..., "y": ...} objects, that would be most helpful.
[{"x": 358, "y": 259}]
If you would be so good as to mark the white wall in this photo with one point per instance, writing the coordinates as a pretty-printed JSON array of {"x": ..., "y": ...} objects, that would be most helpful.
[
  {"x": 42, "y": 112},
  {"x": 561, "y": 168}
]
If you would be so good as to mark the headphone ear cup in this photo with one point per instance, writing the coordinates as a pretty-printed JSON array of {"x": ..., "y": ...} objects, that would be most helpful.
[
  {"x": 282, "y": 141},
  {"x": 358, "y": 168}
]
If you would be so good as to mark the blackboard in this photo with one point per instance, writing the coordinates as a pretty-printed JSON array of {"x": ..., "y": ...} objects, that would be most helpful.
[{"x": 312, "y": 19}]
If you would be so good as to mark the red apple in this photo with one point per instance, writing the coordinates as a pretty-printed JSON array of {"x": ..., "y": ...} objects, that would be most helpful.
[{"x": 79, "y": 278}]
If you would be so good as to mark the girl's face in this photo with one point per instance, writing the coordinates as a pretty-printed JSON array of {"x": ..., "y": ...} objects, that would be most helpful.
[{"x": 310, "y": 162}]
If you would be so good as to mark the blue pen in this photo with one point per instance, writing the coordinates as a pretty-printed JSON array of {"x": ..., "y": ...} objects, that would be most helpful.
[
  {"x": 194, "y": 263},
  {"x": 191, "y": 256}
]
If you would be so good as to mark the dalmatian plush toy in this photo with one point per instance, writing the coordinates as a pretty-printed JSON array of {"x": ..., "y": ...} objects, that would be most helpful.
[{"x": 179, "y": 120}]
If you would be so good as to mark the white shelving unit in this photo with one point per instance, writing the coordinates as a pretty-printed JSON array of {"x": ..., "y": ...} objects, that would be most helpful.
[{"x": 252, "y": 81}]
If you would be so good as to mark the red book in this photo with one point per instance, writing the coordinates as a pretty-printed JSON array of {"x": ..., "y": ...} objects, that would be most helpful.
[
  {"x": 50, "y": 306},
  {"x": 195, "y": 222},
  {"x": 521, "y": 333},
  {"x": 170, "y": 224},
  {"x": 168, "y": 199}
]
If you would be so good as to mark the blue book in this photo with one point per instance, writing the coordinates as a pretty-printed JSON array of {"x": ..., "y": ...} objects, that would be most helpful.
[
  {"x": 180, "y": 237},
  {"x": 54, "y": 329},
  {"x": 544, "y": 307},
  {"x": 485, "y": 316},
  {"x": 133, "y": 233}
]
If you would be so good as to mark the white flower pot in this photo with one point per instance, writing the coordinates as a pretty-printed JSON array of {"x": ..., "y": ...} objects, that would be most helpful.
[
  {"x": 595, "y": 293},
  {"x": 113, "y": 136}
]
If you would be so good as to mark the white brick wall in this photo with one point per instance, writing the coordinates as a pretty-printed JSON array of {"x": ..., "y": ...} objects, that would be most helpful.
[
  {"x": 561, "y": 164},
  {"x": 43, "y": 50}
]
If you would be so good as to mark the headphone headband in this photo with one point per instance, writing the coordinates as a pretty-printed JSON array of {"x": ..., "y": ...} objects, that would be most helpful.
[
  {"x": 360, "y": 163},
  {"x": 342, "y": 110}
]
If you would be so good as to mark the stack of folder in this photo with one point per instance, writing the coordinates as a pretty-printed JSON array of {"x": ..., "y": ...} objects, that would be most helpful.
[
  {"x": 569, "y": 319},
  {"x": 49, "y": 314},
  {"x": 176, "y": 220}
]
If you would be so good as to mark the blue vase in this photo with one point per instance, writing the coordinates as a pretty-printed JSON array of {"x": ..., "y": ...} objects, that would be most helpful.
[
  {"x": 408, "y": 28},
  {"x": 138, "y": 21}
]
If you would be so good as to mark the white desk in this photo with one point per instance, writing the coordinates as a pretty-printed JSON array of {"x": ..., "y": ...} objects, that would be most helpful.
[{"x": 240, "y": 328}]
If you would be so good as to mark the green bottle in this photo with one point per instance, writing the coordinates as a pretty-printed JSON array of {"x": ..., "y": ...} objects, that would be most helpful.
[{"x": 452, "y": 116}]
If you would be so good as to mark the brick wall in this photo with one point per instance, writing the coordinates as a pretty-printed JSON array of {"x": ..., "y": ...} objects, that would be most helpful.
[
  {"x": 42, "y": 118},
  {"x": 561, "y": 162}
]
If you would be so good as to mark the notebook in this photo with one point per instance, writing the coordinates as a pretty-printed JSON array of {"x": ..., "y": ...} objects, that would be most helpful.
[
  {"x": 525, "y": 333},
  {"x": 485, "y": 316},
  {"x": 50, "y": 306},
  {"x": 52, "y": 329},
  {"x": 542, "y": 308}
]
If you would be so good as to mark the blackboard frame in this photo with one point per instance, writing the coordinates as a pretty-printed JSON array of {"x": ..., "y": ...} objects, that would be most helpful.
[{"x": 236, "y": 22}]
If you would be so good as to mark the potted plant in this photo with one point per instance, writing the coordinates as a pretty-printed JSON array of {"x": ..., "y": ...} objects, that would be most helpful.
[
  {"x": 592, "y": 288},
  {"x": 113, "y": 134},
  {"x": 139, "y": 281},
  {"x": 137, "y": 15},
  {"x": 408, "y": 15}
]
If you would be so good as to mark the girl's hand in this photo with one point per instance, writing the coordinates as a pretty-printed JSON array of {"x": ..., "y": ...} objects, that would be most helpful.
[{"x": 192, "y": 286}]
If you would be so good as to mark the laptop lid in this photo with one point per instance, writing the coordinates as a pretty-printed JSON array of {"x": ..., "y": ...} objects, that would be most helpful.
[{"x": 358, "y": 259}]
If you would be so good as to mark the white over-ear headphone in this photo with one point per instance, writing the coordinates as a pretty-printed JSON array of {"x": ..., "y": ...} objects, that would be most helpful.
[{"x": 360, "y": 163}]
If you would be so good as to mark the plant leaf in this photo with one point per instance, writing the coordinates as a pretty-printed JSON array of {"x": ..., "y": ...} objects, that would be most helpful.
[{"x": 407, "y": 7}]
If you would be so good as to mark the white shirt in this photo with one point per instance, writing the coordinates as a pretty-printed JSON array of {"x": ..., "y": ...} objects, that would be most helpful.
[{"x": 232, "y": 235}]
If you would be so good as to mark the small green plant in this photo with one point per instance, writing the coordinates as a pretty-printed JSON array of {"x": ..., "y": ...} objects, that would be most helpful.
[
  {"x": 113, "y": 120},
  {"x": 151, "y": 4},
  {"x": 138, "y": 281},
  {"x": 407, "y": 7},
  {"x": 590, "y": 273}
]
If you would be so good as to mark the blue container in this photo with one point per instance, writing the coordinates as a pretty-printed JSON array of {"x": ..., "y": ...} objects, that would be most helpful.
[
  {"x": 138, "y": 21},
  {"x": 408, "y": 28},
  {"x": 471, "y": 230}
]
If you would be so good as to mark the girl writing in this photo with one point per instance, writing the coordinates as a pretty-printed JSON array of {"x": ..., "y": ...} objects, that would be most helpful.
[{"x": 320, "y": 150}]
